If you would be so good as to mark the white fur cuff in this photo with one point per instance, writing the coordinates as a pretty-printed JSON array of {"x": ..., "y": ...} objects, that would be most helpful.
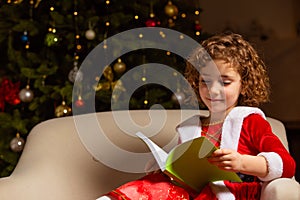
[{"x": 275, "y": 166}]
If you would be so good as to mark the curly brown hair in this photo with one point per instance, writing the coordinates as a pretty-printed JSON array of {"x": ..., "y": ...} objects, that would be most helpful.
[{"x": 234, "y": 49}]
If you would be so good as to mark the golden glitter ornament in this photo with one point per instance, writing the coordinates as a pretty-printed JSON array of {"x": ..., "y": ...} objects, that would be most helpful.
[{"x": 63, "y": 110}]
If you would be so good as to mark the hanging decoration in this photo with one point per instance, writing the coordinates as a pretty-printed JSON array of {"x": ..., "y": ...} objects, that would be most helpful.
[
  {"x": 79, "y": 102},
  {"x": 75, "y": 74},
  {"x": 151, "y": 22},
  {"x": 90, "y": 34},
  {"x": 26, "y": 94},
  {"x": 25, "y": 37},
  {"x": 9, "y": 93},
  {"x": 17, "y": 143},
  {"x": 171, "y": 10},
  {"x": 63, "y": 110},
  {"x": 119, "y": 67}
]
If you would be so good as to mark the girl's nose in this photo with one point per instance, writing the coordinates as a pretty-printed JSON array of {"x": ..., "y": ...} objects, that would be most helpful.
[{"x": 216, "y": 88}]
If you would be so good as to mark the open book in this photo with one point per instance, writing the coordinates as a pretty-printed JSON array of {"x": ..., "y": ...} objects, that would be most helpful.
[{"x": 187, "y": 163}]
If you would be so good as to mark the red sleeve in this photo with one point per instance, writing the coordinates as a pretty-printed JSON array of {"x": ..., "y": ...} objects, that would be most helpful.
[{"x": 261, "y": 139}]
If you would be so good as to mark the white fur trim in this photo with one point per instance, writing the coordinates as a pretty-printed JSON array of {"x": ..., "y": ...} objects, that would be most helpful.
[
  {"x": 233, "y": 124},
  {"x": 275, "y": 166},
  {"x": 221, "y": 191}
]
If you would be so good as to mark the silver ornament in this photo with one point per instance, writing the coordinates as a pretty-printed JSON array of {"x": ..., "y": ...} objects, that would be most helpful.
[
  {"x": 75, "y": 75},
  {"x": 17, "y": 143},
  {"x": 90, "y": 34},
  {"x": 26, "y": 94}
]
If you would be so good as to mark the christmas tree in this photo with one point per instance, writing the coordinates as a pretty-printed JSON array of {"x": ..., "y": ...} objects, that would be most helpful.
[{"x": 43, "y": 44}]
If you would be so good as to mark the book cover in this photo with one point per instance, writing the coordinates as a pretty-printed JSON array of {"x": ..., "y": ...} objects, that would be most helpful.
[{"x": 187, "y": 163}]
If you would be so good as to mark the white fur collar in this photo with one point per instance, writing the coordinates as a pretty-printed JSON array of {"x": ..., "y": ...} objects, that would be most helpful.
[{"x": 191, "y": 128}]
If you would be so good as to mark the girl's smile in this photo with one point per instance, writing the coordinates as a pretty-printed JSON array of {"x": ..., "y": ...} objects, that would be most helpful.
[{"x": 220, "y": 86}]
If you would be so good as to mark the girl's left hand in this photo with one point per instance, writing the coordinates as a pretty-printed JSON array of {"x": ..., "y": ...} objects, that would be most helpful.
[{"x": 227, "y": 159}]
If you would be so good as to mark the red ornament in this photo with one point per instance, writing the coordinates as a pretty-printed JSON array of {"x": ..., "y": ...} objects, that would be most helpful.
[
  {"x": 79, "y": 103},
  {"x": 197, "y": 26},
  {"x": 151, "y": 23}
]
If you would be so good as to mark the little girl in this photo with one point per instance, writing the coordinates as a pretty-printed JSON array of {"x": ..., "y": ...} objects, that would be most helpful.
[{"x": 232, "y": 82}]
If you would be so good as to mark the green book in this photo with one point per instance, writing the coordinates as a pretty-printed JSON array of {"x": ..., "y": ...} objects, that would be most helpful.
[{"x": 187, "y": 163}]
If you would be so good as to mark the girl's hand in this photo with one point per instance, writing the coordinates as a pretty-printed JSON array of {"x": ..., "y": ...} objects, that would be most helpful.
[
  {"x": 227, "y": 159},
  {"x": 231, "y": 160}
]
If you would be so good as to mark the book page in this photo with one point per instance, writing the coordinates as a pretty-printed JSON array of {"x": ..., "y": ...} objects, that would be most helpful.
[{"x": 187, "y": 163}]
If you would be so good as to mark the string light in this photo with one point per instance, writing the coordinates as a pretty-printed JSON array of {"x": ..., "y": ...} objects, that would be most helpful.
[{"x": 197, "y": 21}]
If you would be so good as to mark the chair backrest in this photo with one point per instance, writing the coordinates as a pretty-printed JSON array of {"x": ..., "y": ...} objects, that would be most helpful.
[{"x": 279, "y": 129}]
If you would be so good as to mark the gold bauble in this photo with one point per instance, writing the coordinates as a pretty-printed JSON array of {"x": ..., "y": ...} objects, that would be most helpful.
[
  {"x": 171, "y": 10},
  {"x": 63, "y": 110},
  {"x": 119, "y": 66}
]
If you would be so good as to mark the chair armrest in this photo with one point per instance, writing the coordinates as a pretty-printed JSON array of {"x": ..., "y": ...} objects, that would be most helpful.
[{"x": 281, "y": 188}]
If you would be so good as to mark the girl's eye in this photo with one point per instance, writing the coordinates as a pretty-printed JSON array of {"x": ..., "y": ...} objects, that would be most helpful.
[{"x": 226, "y": 82}]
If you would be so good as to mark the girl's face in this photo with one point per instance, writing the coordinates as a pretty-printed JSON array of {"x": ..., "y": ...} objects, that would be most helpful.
[{"x": 219, "y": 87}]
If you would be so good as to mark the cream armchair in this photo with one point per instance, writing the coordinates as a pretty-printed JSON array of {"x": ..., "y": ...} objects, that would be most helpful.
[{"x": 59, "y": 163}]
